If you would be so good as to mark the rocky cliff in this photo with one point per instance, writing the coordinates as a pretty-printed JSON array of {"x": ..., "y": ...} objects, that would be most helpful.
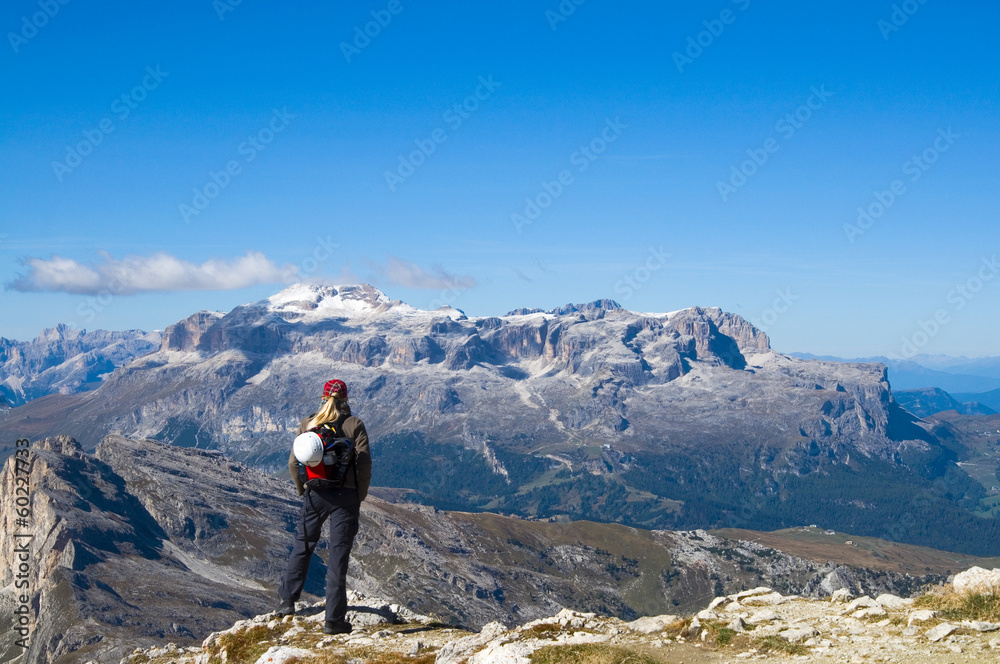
[{"x": 145, "y": 543}]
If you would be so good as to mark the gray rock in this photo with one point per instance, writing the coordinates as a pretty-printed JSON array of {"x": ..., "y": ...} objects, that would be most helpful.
[
  {"x": 282, "y": 654},
  {"x": 889, "y": 601},
  {"x": 651, "y": 624},
  {"x": 980, "y": 626},
  {"x": 764, "y": 615},
  {"x": 871, "y": 612},
  {"x": 796, "y": 634},
  {"x": 841, "y": 595},
  {"x": 737, "y": 624},
  {"x": 862, "y": 602},
  {"x": 922, "y": 615},
  {"x": 769, "y": 599},
  {"x": 940, "y": 631}
]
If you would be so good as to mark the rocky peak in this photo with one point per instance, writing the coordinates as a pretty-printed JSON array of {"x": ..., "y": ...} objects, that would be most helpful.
[
  {"x": 186, "y": 334},
  {"x": 311, "y": 301}
]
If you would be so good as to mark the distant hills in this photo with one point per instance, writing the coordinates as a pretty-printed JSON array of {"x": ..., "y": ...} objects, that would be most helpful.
[
  {"x": 954, "y": 375},
  {"x": 930, "y": 400}
]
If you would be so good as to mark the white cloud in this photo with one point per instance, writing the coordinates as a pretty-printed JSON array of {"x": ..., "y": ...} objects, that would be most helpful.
[
  {"x": 143, "y": 274},
  {"x": 410, "y": 275}
]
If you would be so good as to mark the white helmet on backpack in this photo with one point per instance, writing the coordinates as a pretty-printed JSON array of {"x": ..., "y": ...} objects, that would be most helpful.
[{"x": 308, "y": 448}]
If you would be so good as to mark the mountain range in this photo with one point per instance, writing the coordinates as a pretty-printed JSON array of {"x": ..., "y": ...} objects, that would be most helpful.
[
  {"x": 63, "y": 360},
  {"x": 685, "y": 419}
]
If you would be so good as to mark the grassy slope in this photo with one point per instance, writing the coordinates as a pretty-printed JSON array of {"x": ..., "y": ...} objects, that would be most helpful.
[{"x": 873, "y": 553}]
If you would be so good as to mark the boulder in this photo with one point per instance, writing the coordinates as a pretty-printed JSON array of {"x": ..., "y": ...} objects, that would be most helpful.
[
  {"x": 518, "y": 652},
  {"x": 977, "y": 580},
  {"x": 651, "y": 624},
  {"x": 939, "y": 632},
  {"x": 889, "y": 601},
  {"x": 980, "y": 626},
  {"x": 762, "y": 590},
  {"x": 765, "y": 615},
  {"x": 770, "y": 599},
  {"x": 862, "y": 602},
  {"x": 461, "y": 649},
  {"x": 870, "y": 612},
  {"x": 281, "y": 654},
  {"x": 799, "y": 633},
  {"x": 841, "y": 595},
  {"x": 922, "y": 615},
  {"x": 737, "y": 624},
  {"x": 717, "y": 602}
]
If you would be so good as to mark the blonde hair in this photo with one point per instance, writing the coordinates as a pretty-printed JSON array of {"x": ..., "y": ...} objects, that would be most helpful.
[{"x": 327, "y": 413}]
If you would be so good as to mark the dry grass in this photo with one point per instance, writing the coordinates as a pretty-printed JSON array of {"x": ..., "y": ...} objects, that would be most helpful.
[
  {"x": 246, "y": 646},
  {"x": 677, "y": 628},
  {"x": 400, "y": 658},
  {"x": 543, "y": 630},
  {"x": 321, "y": 657},
  {"x": 953, "y": 606},
  {"x": 590, "y": 653},
  {"x": 777, "y": 643}
]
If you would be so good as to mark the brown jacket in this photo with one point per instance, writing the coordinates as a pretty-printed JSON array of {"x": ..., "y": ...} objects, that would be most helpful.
[{"x": 353, "y": 428}]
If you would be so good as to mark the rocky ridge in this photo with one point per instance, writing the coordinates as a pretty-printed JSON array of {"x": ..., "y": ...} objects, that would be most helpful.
[{"x": 754, "y": 625}]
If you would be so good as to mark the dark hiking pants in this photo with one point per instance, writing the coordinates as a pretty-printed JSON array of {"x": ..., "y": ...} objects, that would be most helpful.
[{"x": 342, "y": 508}]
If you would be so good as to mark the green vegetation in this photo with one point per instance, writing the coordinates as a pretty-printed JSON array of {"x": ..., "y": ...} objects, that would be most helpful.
[
  {"x": 591, "y": 653},
  {"x": 723, "y": 486},
  {"x": 724, "y": 636},
  {"x": 245, "y": 646}
]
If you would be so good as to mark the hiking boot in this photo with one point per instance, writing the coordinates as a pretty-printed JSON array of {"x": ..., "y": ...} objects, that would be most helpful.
[
  {"x": 286, "y": 608},
  {"x": 337, "y": 627}
]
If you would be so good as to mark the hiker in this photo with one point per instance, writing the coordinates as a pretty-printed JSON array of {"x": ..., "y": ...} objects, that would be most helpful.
[{"x": 322, "y": 500}]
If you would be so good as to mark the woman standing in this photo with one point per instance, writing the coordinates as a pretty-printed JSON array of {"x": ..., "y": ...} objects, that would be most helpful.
[{"x": 342, "y": 506}]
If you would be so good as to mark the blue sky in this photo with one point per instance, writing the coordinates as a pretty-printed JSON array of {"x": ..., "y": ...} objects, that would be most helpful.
[{"x": 494, "y": 155}]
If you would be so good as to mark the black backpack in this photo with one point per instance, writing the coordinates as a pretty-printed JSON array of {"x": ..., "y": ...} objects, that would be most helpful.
[{"x": 339, "y": 455}]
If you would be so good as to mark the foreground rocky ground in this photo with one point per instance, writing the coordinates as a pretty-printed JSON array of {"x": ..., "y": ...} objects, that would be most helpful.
[{"x": 754, "y": 625}]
